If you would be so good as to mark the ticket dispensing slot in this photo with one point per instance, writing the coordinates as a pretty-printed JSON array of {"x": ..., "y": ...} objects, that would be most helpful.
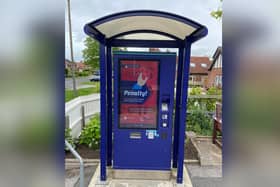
[{"x": 135, "y": 135}]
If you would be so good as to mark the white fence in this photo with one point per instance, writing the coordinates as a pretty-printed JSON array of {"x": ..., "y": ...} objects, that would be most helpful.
[{"x": 79, "y": 110}]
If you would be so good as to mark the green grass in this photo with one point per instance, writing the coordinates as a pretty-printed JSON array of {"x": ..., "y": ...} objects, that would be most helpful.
[
  {"x": 90, "y": 83},
  {"x": 69, "y": 94}
]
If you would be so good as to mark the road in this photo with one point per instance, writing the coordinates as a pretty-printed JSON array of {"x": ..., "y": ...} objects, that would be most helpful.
[{"x": 79, "y": 81}]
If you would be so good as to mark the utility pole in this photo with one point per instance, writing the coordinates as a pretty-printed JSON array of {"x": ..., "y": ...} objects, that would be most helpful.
[{"x": 71, "y": 50}]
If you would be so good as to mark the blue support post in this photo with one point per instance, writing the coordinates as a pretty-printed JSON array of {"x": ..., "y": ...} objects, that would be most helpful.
[
  {"x": 183, "y": 109},
  {"x": 103, "y": 112},
  {"x": 177, "y": 110},
  {"x": 109, "y": 105}
]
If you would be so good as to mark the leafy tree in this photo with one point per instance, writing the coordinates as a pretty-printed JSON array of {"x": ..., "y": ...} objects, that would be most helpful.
[
  {"x": 217, "y": 13},
  {"x": 91, "y": 53}
]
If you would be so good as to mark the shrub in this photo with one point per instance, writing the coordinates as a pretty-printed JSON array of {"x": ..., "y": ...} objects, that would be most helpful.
[
  {"x": 66, "y": 72},
  {"x": 196, "y": 91},
  {"x": 199, "y": 122},
  {"x": 68, "y": 137},
  {"x": 214, "y": 91},
  {"x": 211, "y": 103},
  {"x": 90, "y": 135}
]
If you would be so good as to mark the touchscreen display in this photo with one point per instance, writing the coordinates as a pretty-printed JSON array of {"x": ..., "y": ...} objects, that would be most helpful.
[{"x": 138, "y": 94}]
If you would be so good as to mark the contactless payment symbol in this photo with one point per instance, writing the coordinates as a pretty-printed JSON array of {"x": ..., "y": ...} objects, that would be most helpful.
[{"x": 152, "y": 134}]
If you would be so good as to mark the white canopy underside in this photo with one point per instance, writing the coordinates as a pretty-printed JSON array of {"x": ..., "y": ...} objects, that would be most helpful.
[
  {"x": 151, "y": 23},
  {"x": 144, "y": 36}
]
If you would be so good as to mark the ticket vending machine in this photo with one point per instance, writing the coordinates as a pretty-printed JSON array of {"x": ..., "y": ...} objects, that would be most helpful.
[
  {"x": 136, "y": 133},
  {"x": 143, "y": 109}
]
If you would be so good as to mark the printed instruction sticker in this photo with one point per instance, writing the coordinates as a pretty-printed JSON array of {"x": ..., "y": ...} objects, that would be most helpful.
[{"x": 151, "y": 134}]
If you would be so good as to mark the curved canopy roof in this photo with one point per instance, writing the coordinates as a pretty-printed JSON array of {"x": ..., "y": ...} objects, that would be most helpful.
[{"x": 145, "y": 25}]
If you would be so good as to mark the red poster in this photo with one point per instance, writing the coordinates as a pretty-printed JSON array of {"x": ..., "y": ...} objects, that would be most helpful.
[{"x": 138, "y": 89}]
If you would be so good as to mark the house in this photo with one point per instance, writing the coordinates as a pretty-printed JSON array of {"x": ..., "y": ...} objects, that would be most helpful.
[
  {"x": 79, "y": 66},
  {"x": 154, "y": 50},
  {"x": 67, "y": 64},
  {"x": 198, "y": 72},
  {"x": 215, "y": 70}
]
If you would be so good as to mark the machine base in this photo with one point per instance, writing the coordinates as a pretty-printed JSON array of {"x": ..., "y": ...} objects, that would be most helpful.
[{"x": 139, "y": 178}]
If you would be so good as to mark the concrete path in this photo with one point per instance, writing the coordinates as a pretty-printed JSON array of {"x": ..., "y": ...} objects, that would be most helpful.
[
  {"x": 112, "y": 182},
  {"x": 205, "y": 171},
  {"x": 79, "y": 82},
  {"x": 86, "y": 86},
  {"x": 208, "y": 174},
  {"x": 209, "y": 153},
  {"x": 72, "y": 176},
  {"x": 200, "y": 176},
  {"x": 207, "y": 182}
]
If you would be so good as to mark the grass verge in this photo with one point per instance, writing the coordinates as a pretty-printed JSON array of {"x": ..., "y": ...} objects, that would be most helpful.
[{"x": 69, "y": 94}]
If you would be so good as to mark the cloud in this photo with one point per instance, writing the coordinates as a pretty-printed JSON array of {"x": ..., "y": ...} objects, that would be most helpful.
[{"x": 84, "y": 11}]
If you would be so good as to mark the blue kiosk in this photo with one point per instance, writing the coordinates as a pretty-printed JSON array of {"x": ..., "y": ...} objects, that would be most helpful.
[{"x": 138, "y": 130}]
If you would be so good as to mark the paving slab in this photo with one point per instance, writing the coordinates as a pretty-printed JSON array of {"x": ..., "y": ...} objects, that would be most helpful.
[
  {"x": 112, "y": 182},
  {"x": 204, "y": 171},
  {"x": 209, "y": 154},
  {"x": 207, "y": 182},
  {"x": 72, "y": 175}
]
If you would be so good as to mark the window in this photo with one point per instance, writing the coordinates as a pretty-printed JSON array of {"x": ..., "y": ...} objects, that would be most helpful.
[
  {"x": 192, "y": 64},
  {"x": 219, "y": 61},
  {"x": 218, "y": 80},
  {"x": 204, "y": 65},
  {"x": 216, "y": 64},
  {"x": 198, "y": 78}
]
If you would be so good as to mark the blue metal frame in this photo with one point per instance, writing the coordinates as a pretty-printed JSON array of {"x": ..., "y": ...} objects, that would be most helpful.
[
  {"x": 91, "y": 30},
  {"x": 105, "y": 69},
  {"x": 183, "y": 109},
  {"x": 109, "y": 105},
  {"x": 103, "y": 112},
  {"x": 145, "y": 13},
  {"x": 178, "y": 102},
  {"x": 146, "y": 43}
]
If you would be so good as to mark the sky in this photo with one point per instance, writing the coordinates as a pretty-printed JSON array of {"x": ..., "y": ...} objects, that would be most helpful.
[{"x": 84, "y": 11}]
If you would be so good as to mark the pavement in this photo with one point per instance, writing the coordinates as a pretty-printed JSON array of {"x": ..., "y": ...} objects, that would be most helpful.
[
  {"x": 130, "y": 178},
  {"x": 207, "y": 182},
  {"x": 200, "y": 176},
  {"x": 209, "y": 153},
  {"x": 79, "y": 82},
  {"x": 206, "y": 174},
  {"x": 72, "y": 175}
]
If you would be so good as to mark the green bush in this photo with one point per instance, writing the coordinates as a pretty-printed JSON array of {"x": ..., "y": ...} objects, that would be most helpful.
[
  {"x": 90, "y": 135},
  {"x": 214, "y": 91},
  {"x": 193, "y": 104},
  {"x": 200, "y": 123},
  {"x": 83, "y": 73},
  {"x": 201, "y": 103},
  {"x": 196, "y": 91},
  {"x": 66, "y": 72},
  {"x": 68, "y": 137},
  {"x": 211, "y": 103}
]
